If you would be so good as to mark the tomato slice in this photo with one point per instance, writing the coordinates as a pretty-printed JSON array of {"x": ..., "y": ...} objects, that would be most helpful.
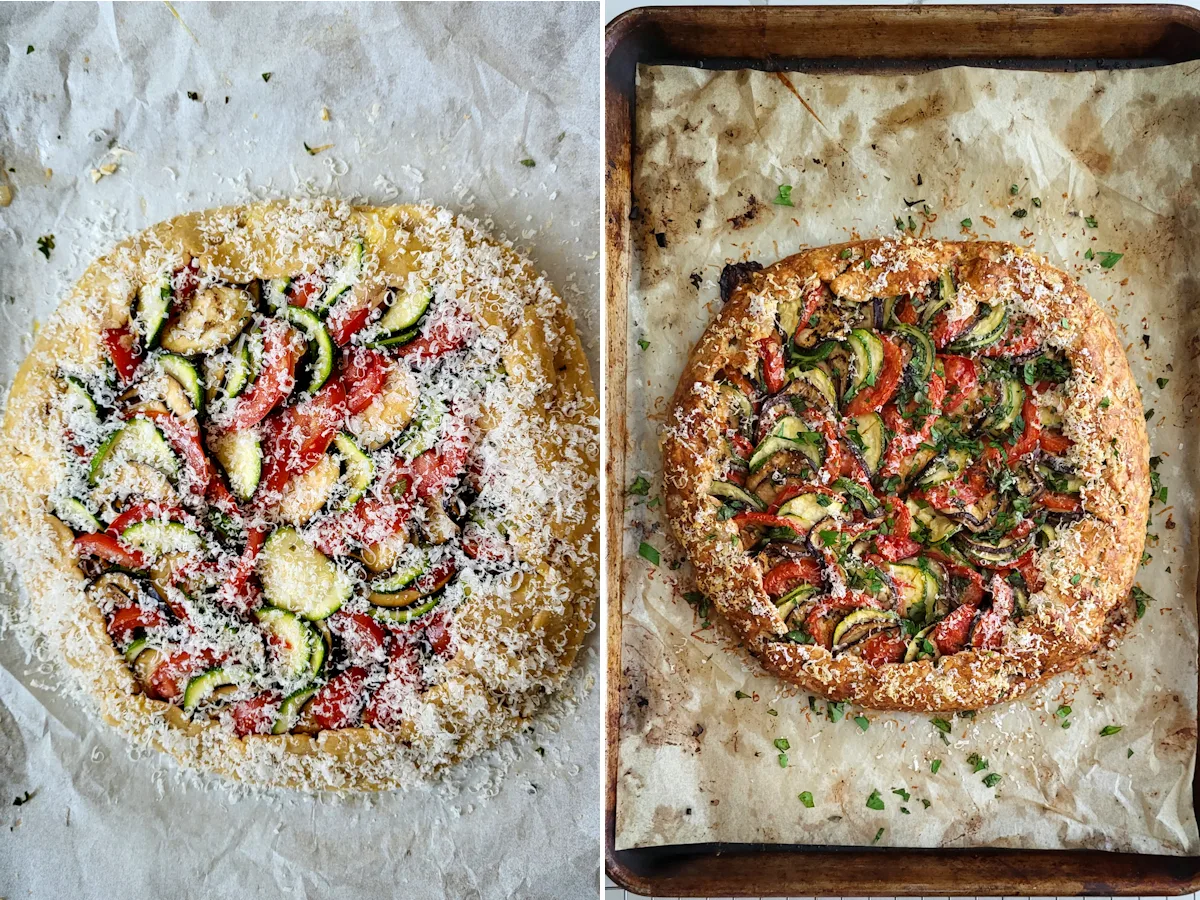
[
  {"x": 950, "y": 634},
  {"x": 439, "y": 339},
  {"x": 439, "y": 635},
  {"x": 762, "y": 520},
  {"x": 945, "y": 330},
  {"x": 770, "y": 352},
  {"x": 235, "y": 591},
  {"x": 883, "y": 647},
  {"x": 1018, "y": 340},
  {"x": 257, "y": 714},
  {"x": 184, "y": 438},
  {"x": 962, "y": 378},
  {"x": 989, "y": 630},
  {"x": 433, "y": 470},
  {"x": 385, "y": 709},
  {"x": 363, "y": 637},
  {"x": 305, "y": 289},
  {"x": 873, "y": 398},
  {"x": 1060, "y": 503},
  {"x": 128, "y": 618},
  {"x": 1028, "y": 441},
  {"x": 1054, "y": 443},
  {"x": 364, "y": 374},
  {"x": 905, "y": 311},
  {"x": 818, "y": 622},
  {"x": 170, "y": 676},
  {"x": 108, "y": 548},
  {"x": 298, "y": 437},
  {"x": 790, "y": 573},
  {"x": 143, "y": 512},
  {"x": 742, "y": 446},
  {"x": 282, "y": 350},
  {"x": 339, "y": 703},
  {"x": 123, "y": 349}
]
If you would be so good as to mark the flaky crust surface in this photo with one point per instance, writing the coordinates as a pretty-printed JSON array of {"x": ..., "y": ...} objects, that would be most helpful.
[
  {"x": 1065, "y": 621},
  {"x": 513, "y": 650}
]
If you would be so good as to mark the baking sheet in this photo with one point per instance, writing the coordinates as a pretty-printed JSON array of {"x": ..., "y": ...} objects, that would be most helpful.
[
  {"x": 1110, "y": 157},
  {"x": 435, "y": 102}
]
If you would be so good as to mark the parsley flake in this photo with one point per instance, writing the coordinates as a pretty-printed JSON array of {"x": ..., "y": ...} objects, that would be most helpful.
[
  {"x": 1108, "y": 259},
  {"x": 902, "y": 794},
  {"x": 977, "y": 762},
  {"x": 643, "y": 343},
  {"x": 640, "y": 486},
  {"x": 266, "y": 76},
  {"x": 45, "y": 244},
  {"x": 965, "y": 223},
  {"x": 992, "y": 780},
  {"x": 941, "y": 725},
  {"x": 875, "y": 801},
  {"x": 862, "y": 722},
  {"x": 1110, "y": 730},
  {"x": 528, "y": 163},
  {"x": 1161, "y": 382},
  {"x": 806, "y": 798},
  {"x": 934, "y": 766},
  {"x": 1091, "y": 221},
  {"x": 878, "y": 835},
  {"x": 784, "y": 197},
  {"x": 782, "y": 744},
  {"x": 1089, "y": 254},
  {"x": 649, "y": 553},
  {"x": 740, "y": 695}
]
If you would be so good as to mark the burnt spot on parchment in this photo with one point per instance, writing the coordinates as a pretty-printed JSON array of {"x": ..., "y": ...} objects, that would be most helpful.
[
  {"x": 920, "y": 111},
  {"x": 1084, "y": 137},
  {"x": 733, "y": 275},
  {"x": 742, "y": 219}
]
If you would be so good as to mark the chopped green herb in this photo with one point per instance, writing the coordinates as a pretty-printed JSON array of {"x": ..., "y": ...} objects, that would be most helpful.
[
  {"x": 1105, "y": 403},
  {"x": 992, "y": 780},
  {"x": 1140, "y": 599},
  {"x": 806, "y": 798},
  {"x": 309, "y": 150},
  {"x": 1076, "y": 578},
  {"x": 45, "y": 244},
  {"x": 1063, "y": 711},
  {"x": 934, "y": 766},
  {"x": 847, "y": 253},
  {"x": 643, "y": 343},
  {"x": 1161, "y": 382},
  {"x": 977, "y": 762},
  {"x": 782, "y": 744},
  {"x": 783, "y": 761},
  {"x": 835, "y": 711},
  {"x": 1110, "y": 730},
  {"x": 1013, "y": 189},
  {"x": 875, "y": 801},
  {"x": 640, "y": 486},
  {"x": 862, "y": 722},
  {"x": 904, "y": 809},
  {"x": 1108, "y": 259},
  {"x": 1089, "y": 254},
  {"x": 899, "y": 223},
  {"x": 649, "y": 553},
  {"x": 925, "y": 803},
  {"x": 941, "y": 725},
  {"x": 878, "y": 835},
  {"x": 540, "y": 751},
  {"x": 267, "y": 76},
  {"x": 192, "y": 95},
  {"x": 1149, "y": 414},
  {"x": 1020, "y": 213},
  {"x": 29, "y": 49},
  {"x": 1037, "y": 202},
  {"x": 528, "y": 163},
  {"x": 1129, "y": 753},
  {"x": 912, "y": 226},
  {"x": 784, "y": 197},
  {"x": 740, "y": 695},
  {"x": 1091, "y": 221},
  {"x": 965, "y": 223},
  {"x": 902, "y": 794},
  {"x": 22, "y": 800},
  {"x": 654, "y": 504}
]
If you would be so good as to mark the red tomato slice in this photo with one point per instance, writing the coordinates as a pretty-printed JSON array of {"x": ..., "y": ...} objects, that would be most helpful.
[
  {"x": 170, "y": 677},
  {"x": 364, "y": 373},
  {"x": 770, "y": 352},
  {"x": 742, "y": 446},
  {"x": 1060, "y": 503},
  {"x": 945, "y": 330},
  {"x": 763, "y": 520},
  {"x": 345, "y": 325},
  {"x": 108, "y": 548},
  {"x": 884, "y": 647},
  {"x": 305, "y": 289},
  {"x": 950, "y": 634},
  {"x": 123, "y": 349},
  {"x": 184, "y": 438},
  {"x": 256, "y": 715},
  {"x": 298, "y": 437},
  {"x": 872, "y": 399},
  {"x": 439, "y": 635},
  {"x": 385, "y": 709},
  {"x": 142, "y": 512},
  {"x": 438, "y": 340},
  {"x": 818, "y": 623},
  {"x": 339, "y": 703},
  {"x": 234, "y": 592},
  {"x": 962, "y": 378},
  {"x": 282, "y": 350},
  {"x": 363, "y": 637},
  {"x": 1017, "y": 341},
  {"x": 906, "y": 312},
  {"x": 1028, "y": 441},
  {"x": 128, "y": 618},
  {"x": 433, "y": 470},
  {"x": 739, "y": 379},
  {"x": 1054, "y": 443},
  {"x": 786, "y": 575}
]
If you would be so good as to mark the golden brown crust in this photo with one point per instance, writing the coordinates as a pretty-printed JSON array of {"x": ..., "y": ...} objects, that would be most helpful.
[
  {"x": 1065, "y": 621},
  {"x": 493, "y": 683}
]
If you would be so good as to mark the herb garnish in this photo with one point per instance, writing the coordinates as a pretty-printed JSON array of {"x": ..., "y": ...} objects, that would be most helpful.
[
  {"x": 875, "y": 801},
  {"x": 528, "y": 163},
  {"x": 1140, "y": 599},
  {"x": 784, "y": 197},
  {"x": 941, "y": 725},
  {"x": 1110, "y": 730},
  {"x": 1091, "y": 221},
  {"x": 649, "y": 553},
  {"x": 45, "y": 244},
  {"x": 1108, "y": 259},
  {"x": 806, "y": 798},
  {"x": 934, "y": 766},
  {"x": 640, "y": 486}
]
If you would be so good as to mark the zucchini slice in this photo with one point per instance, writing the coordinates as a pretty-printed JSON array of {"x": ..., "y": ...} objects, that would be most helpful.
[
  {"x": 858, "y": 493},
  {"x": 989, "y": 327},
  {"x": 241, "y": 456},
  {"x": 807, "y": 359},
  {"x": 76, "y": 515},
  {"x": 819, "y": 379},
  {"x": 347, "y": 275},
  {"x": 1003, "y": 415},
  {"x": 151, "y": 309},
  {"x": 292, "y": 639},
  {"x": 202, "y": 687},
  {"x": 809, "y": 509},
  {"x": 244, "y": 366},
  {"x": 773, "y": 444},
  {"x": 739, "y": 403},
  {"x": 786, "y": 604},
  {"x": 860, "y": 623},
  {"x": 991, "y": 553},
  {"x": 396, "y": 340},
  {"x": 80, "y": 397},
  {"x": 406, "y": 309},
  {"x": 291, "y": 708},
  {"x": 916, "y": 646},
  {"x": 212, "y": 318},
  {"x": 407, "y": 614},
  {"x": 159, "y": 538},
  {"x": 188, "y": 378},
  {"x": 948, "y": 466},
  {"x": 357, "y": 468},
  {"x": 298, "y": 577},
  {"x": 939, "y": 527},
  {"x": 275, "y": 292},
  {"x": 871, "y": 440},
  {"x": 946, "y": 295},
  {"x": 425, "y": 428},
  {"x": 866, "y": 353},
  {"x": 913, "y": 600},
  {"x": 920, "y": 363},
  {"x": 318, "y": 361},
  {"x": 139, "y": 440},
  {"x": 728, "y": 491},
  {"x": 401, "y": 578}
]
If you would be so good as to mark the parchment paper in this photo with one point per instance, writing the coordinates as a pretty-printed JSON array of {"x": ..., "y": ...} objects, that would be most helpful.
[
  {"x": 425, "y": 102},
  {"x": 698, "y": 760}
]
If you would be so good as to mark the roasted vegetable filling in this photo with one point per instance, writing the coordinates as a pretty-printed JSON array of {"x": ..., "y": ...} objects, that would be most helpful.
[
  {"x": 276, "y": 495},
  {"x": 894, "y": 467}
]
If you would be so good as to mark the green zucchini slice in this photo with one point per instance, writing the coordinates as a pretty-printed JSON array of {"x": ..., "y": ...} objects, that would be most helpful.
[
  {"x": 989, "y": 327},
  {"x": 920, "y": 364},
  {"x": 406, "y": 309},
  {"x": 401, "y": 578},
  {"x": 75, "y": 514},
  {"x": 1001, "y": 418},
  {"x": 292, "y": 640},
  {"x": 275, "y": 292},
  {"x": 871, "y": 440},
  {"x": 241, "y": 456},
  {"x": 913, "y": 599},
  {"x": 728, "y": 491},
  {"x": 202, "y": 687},
  {"x": 860, "y": 623},
  {"x": 188, "y": 378},
  {"x": 318, "y": 361},
  {"x": 807, "y": 510},
  {"x": 79, "y": 396},
  {"x": 298, "y": 577},
  {"x": 357, "y": 468},
  {"x": 407, "y": 613},
  {"x": 158, "y": 538},
  {"x": 151, "y": 309},
  {"x": 139, "y": 440},
  {"x": 291, "y": 709},
  {"x": 866, "y": 354},
  {"x": 347, "y": 275}
]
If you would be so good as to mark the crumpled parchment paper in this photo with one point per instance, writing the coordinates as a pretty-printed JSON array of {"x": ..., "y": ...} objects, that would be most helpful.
[
  {"x": 1110, "y": 157},
  {"x": 437, "y": 102}
]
